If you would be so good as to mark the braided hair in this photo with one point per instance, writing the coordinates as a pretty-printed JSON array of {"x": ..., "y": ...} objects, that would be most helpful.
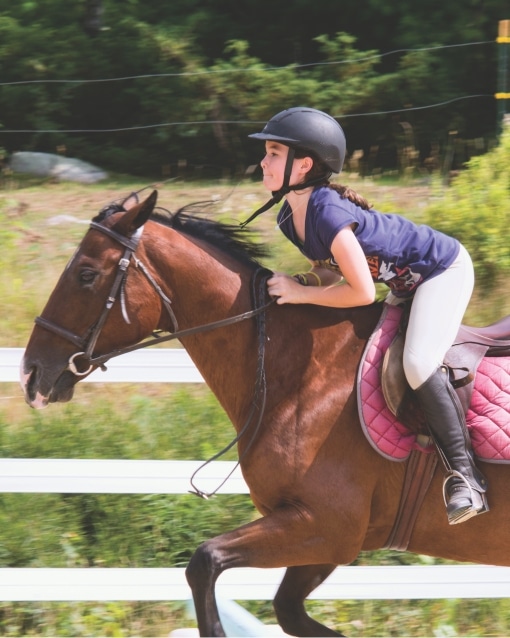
[{"x": 322, "y": 174}]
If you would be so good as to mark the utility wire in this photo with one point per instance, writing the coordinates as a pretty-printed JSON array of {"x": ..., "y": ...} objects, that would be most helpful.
[
  {"x": 241, "y": 122},
  {"x": 254, "y": 69},
  {"x": 249, "y": 69}
]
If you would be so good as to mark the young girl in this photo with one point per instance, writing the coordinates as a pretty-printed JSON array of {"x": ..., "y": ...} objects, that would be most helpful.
[{"x": 351, "y": 246}]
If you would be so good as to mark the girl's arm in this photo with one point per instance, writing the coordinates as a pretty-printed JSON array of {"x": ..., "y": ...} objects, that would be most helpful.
[{"x": 357, "y": 288}]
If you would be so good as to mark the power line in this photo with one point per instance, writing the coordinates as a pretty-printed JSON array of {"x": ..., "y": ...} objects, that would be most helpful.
[
  {"x": 417, "y": 108},
  {"x": 242, "y": 122},
  {"x": 383, "y": 55},
  {"x": 254, "y": 69}
]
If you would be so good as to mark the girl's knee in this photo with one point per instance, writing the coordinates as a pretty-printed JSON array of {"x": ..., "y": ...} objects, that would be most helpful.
[{"x": 418, "y": 368}]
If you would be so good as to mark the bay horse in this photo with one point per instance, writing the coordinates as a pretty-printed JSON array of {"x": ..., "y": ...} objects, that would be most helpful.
[{"x": 285, "y": 376}]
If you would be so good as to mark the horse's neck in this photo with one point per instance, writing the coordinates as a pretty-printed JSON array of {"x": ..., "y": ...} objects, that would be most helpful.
[
  {"x": 204, "y": 289},
  {"x": 226, "y": 358}
]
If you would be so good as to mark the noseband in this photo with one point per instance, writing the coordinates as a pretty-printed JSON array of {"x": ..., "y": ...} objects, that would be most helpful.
[{"x": 88, "y": 342}]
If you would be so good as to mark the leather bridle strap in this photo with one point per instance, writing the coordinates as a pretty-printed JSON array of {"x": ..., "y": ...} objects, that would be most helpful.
[
  {"x": 131, "y": 243},
  {"x": 61, "y": 332}
]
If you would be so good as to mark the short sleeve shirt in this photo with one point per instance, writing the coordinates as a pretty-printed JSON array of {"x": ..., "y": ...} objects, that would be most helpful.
[{"x": 399, "y": 253}]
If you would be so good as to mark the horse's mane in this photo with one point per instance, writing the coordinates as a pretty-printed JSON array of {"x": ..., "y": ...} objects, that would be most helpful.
[{"x": 230, "y": 238}]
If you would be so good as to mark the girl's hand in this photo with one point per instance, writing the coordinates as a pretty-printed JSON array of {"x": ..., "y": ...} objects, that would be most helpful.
[{"x": 285, "y": 289}]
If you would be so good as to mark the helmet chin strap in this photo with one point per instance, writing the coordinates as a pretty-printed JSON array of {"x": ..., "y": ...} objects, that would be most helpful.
[{"x": 278, "y": 195}]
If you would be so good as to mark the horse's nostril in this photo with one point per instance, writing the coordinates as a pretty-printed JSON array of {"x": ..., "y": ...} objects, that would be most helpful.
[{"x": 30, "y": 383}]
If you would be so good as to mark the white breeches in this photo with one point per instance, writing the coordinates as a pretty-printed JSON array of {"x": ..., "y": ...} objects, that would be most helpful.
[{"x": 436, "y": 313}]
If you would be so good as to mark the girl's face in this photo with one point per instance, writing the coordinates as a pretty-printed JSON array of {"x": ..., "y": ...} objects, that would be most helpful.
[{"x": 273, "y": 166}]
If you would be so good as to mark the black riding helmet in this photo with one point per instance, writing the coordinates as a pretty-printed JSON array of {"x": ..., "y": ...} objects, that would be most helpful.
[
  {"x": 303, "y": 129},
  {"x": 308, "y": 130}
]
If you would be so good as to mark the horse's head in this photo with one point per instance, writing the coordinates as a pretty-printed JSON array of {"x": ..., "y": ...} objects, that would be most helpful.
[{"x": 96, "y": 307}]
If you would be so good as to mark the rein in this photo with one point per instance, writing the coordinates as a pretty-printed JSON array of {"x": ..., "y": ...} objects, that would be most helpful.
[
  {"x": 213, "y": 325},
  {"x": 259, "y": 394}
]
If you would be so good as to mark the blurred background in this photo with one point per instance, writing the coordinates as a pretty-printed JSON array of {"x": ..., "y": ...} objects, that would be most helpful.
[{"x": 150, "y": 87}]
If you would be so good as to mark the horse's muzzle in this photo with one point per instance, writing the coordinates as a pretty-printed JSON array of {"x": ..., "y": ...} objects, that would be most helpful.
[{"x": 39, "y": 392}]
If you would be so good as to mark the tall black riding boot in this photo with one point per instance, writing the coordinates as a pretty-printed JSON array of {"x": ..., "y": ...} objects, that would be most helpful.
[{"x": 464, "y": 485}]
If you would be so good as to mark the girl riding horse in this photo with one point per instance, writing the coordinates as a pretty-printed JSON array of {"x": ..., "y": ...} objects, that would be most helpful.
[{"x": 351, "y": 246}]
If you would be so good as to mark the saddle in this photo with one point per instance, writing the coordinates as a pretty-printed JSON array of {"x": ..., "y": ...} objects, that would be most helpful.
[
  {"x": 462, "y": 361},
  {"x": 479, "y": 367}
]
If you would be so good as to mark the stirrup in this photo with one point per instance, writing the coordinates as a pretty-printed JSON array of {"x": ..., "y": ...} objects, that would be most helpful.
[{"x": 479, "y": 503}]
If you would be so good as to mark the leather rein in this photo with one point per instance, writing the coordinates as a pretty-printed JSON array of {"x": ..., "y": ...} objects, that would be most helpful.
[{"x": 88, "y": 342}]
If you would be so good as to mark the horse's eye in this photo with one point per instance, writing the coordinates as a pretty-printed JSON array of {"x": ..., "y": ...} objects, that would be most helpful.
[{"x": 87, "y": 276}]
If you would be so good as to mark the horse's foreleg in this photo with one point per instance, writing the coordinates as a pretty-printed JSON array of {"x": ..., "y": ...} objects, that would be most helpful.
[
  {"x": 287, "y": 536},
  {"x": 202, "y": 575},
  {"x": 202, "y": 572},
  {"x": 289, "y": 601}
]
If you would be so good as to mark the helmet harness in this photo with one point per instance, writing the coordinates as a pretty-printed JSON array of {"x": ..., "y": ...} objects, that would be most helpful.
[{"x": 278, "y": 195}]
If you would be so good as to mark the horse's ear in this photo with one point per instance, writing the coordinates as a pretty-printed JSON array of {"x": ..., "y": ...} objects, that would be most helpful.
[{"x": 137, "y": 215}]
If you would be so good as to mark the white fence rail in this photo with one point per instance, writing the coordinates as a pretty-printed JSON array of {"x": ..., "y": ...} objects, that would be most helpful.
[
  {"x": 114, "y": 476},
  {"x": 172, "y": 477},
  {"x": 159, "y": 365},
  {"x": 349, "y": 583}
]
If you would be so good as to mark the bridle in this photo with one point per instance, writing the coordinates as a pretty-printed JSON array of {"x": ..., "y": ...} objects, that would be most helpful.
[{"x": 88, "y": 342}]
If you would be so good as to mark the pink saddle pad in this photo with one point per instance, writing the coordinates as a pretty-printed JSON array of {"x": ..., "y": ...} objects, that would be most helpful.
[{"x": 488, "y": 417}]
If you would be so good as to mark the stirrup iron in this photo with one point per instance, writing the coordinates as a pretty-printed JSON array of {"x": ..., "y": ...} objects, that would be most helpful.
[{"x": 479, "y": 503}]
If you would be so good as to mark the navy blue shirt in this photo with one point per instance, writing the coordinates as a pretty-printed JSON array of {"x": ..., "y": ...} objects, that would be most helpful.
[{"x": 399, "y": 253}]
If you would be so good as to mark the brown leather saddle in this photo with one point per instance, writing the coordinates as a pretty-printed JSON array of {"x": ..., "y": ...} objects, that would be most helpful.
[{"x": 462, "y": 361}]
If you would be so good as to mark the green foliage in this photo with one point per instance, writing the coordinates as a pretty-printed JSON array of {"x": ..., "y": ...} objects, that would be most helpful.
[
  {"x": 476, "y": 210},
  {"x": 100, "y": 619},
  {"x": 121, "y": 424},
  {"x": 216, "y": 66}
]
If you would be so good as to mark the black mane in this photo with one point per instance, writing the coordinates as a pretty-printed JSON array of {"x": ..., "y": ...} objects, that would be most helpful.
[{"x": 230, "y": 238}]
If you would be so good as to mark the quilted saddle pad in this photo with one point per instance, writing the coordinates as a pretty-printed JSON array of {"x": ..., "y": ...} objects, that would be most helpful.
[{"x": 488, "y": 416}]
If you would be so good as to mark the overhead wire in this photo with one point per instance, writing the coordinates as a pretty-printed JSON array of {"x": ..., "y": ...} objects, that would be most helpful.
[
  {"x": 254, "y": 69},
  {"x": 243, "y": 122},
  {"x": 257, "y": 69}
]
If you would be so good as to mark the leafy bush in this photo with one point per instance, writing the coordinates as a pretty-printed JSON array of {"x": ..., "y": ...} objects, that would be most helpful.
[{"x": 476, "y": 210}]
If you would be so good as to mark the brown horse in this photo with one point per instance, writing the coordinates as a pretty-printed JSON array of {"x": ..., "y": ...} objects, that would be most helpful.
[{"x": 286, "y": 377}]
